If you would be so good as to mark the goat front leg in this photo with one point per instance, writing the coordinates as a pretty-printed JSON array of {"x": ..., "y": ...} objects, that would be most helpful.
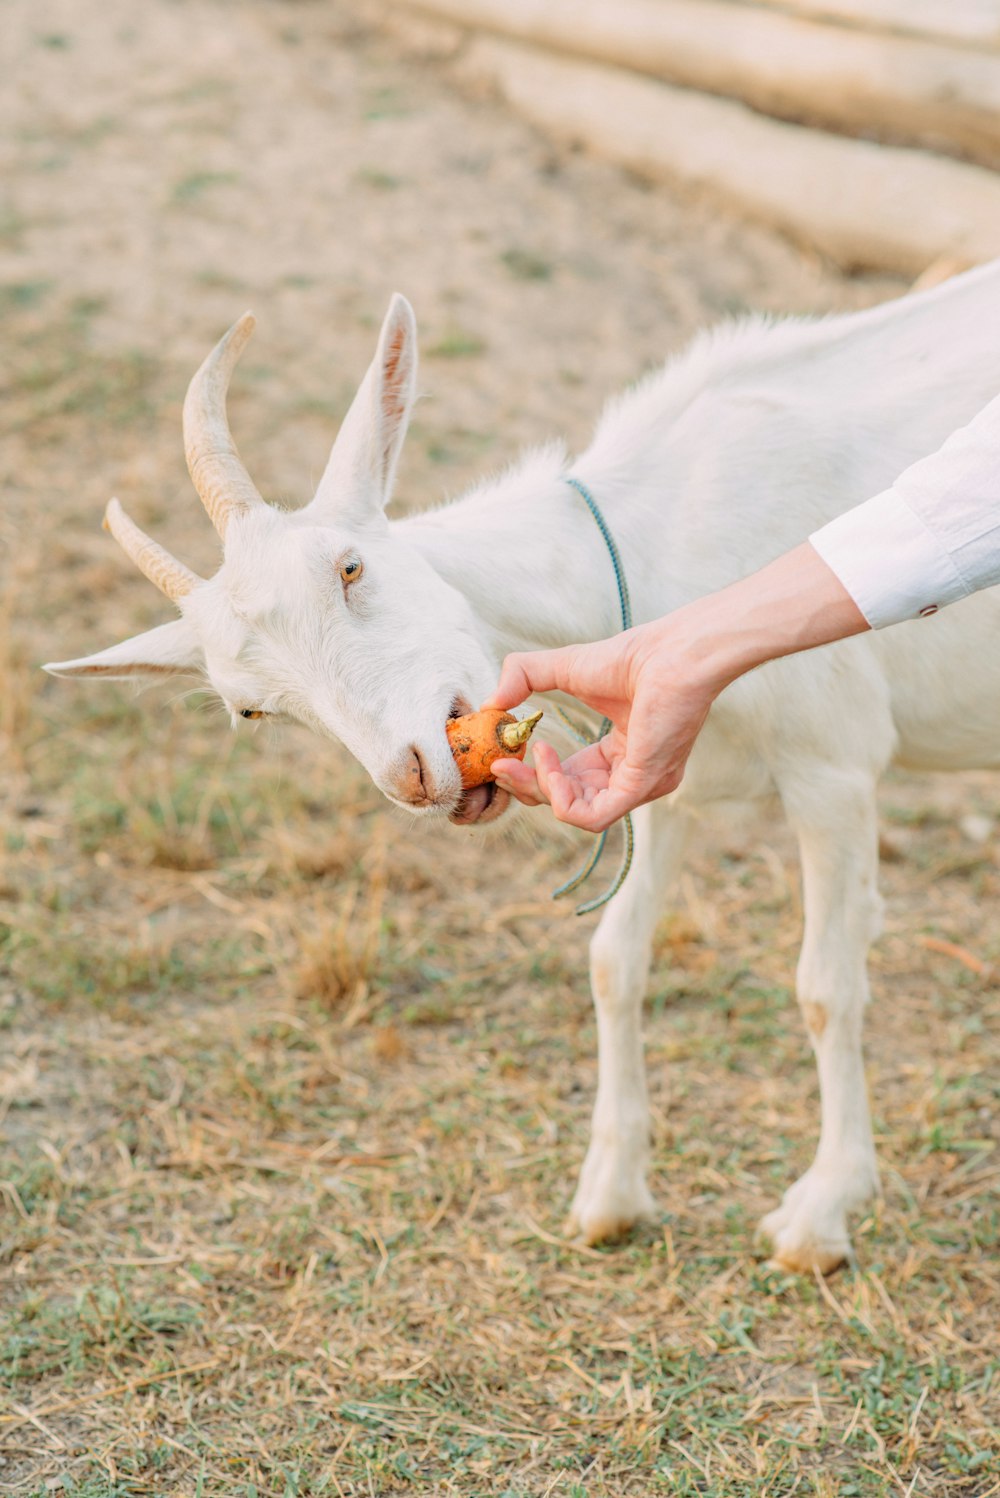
[
  {"x": 612, "y": 1193},
  {"x": 835, "y": 818}
]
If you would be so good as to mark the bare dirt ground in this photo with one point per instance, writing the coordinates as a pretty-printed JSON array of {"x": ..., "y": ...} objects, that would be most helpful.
[{"x": 293, "y": 1097}]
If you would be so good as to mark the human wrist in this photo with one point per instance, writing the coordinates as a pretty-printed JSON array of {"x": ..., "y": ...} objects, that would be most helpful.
[
  {"x": 724, "y": 641},
  {"x": 699, "y": 648},
  {"x": 795, "y": 603}
]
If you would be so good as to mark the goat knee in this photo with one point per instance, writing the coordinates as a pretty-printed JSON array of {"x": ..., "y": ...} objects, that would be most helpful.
[
  {"x": 831, "y": 1001},
  {"x": 815, "y": 1016},
  {"x": 617, "y": 976},
  {"x": 606, "y": 979}
]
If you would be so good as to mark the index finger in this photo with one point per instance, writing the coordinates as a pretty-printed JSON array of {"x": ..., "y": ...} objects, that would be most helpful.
[{"x": 533, "y": 671}]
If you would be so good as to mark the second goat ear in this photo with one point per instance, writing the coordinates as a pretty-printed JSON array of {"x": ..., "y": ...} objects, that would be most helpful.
[
  {"x": 396, "y": 384},
  {"x": 359, "y": 476}
]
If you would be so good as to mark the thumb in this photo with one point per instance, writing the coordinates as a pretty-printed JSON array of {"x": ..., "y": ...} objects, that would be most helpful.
[{"x": 535, "y": 671}]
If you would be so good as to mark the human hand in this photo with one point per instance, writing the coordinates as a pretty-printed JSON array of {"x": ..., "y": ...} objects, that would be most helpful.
[
  {"x": 656, "y": 704},
  {"x": 657, "y": 682}
]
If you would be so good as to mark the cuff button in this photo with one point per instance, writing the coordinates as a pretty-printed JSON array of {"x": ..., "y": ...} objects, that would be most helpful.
[{"x": 927, "y": 610}]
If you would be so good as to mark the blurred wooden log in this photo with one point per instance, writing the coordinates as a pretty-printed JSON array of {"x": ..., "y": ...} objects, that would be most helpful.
[
  {"x": 905, "y": 89},
  {"x": 972, "y": 22},
  {"x": 866, "y": 206}
]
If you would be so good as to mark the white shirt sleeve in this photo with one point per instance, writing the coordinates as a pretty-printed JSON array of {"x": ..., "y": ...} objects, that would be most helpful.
[{"x": 929, "y": 540}]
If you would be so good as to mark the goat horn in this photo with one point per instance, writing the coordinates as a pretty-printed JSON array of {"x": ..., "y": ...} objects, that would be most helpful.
[
  {"x": 217, "y": 472},
  {"x": 152, "y": 559}
]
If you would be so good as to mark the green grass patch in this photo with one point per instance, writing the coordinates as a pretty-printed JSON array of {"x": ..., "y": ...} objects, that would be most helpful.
[
  {"x": 457, "y": 344},
  {"x": 197, "y": 185},
  {"x": 527, "y": 265}
]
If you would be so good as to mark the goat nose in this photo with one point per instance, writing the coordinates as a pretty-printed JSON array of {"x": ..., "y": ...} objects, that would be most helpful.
[{"x": 412, "y": 780}]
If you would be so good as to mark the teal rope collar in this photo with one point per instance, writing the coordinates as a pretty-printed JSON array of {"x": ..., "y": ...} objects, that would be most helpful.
[
  {"x": 625, "y": 604},
  {"x": 609, "y": 540}
]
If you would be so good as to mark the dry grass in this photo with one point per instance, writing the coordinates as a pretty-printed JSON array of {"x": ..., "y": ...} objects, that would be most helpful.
[
  {"x": 293, "y": 1096},
  {"x": 337, "y": 950}
]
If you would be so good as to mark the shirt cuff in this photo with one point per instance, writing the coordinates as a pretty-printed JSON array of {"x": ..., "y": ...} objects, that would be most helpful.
[{"x": 889, "y": 561}]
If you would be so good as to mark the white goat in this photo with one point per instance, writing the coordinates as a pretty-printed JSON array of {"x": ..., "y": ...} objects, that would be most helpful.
[{"x": 373, "y": 632}]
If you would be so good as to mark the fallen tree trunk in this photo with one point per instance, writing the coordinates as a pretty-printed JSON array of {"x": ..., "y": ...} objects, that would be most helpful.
[
  {"x": 866, "y": 206},
  {"x": 903, "y": 88},
  {"x": 970, "y": 22}
]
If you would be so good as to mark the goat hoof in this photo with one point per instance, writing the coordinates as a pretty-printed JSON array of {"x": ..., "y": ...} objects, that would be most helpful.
[
  {"x": 596, "y": 1229},
  {"x": 810, "y": 1258},
  {"x": 611, "y": 1194},
  {"x": 597, "y": 1217},
  {"x": 809, "y": 1229},
  {"x": 799, "y": 1249}
]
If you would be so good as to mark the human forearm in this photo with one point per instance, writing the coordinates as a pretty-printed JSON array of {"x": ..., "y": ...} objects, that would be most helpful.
[{"x": 795, "y": 603}]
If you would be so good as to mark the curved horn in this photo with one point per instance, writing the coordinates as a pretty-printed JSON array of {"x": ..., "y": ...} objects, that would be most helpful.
[
  {"x": 152, "y": 559},
  {"x": 223, "y": 484}
]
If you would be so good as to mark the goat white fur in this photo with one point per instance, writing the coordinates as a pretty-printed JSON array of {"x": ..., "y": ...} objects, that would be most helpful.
[{"x": 372, "y": 632}]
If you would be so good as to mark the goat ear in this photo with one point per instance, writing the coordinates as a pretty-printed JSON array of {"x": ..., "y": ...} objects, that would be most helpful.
[
  {"x": 168, "y": 650},
  {"x": 359, "y": 476}
]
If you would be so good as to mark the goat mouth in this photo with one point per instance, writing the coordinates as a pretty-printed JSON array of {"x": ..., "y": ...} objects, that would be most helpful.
[{"x": 481, "y": 804}]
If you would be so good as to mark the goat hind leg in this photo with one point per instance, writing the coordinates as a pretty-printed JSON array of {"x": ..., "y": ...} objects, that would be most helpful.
[
  {"x": 612, "y": 1193},
  {"x": 838, "y": 840}
]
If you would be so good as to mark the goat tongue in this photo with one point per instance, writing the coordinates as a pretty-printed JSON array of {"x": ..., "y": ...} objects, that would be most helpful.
[{"x": 473, "y": 803}]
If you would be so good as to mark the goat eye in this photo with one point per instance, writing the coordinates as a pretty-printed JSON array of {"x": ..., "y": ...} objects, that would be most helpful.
[
  {"x": 350, "y": 570},
  {"x": 251, "y": 712}
]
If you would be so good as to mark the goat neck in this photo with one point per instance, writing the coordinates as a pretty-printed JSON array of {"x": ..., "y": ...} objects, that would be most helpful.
[{"x": 527, "y": 555}]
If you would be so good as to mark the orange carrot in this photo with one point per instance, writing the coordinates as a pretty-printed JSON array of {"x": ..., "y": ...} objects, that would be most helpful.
[{"x": 478, "y": 739}]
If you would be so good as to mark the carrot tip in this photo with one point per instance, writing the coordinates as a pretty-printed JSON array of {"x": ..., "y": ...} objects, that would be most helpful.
[{"x": 513, "y": 735}]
